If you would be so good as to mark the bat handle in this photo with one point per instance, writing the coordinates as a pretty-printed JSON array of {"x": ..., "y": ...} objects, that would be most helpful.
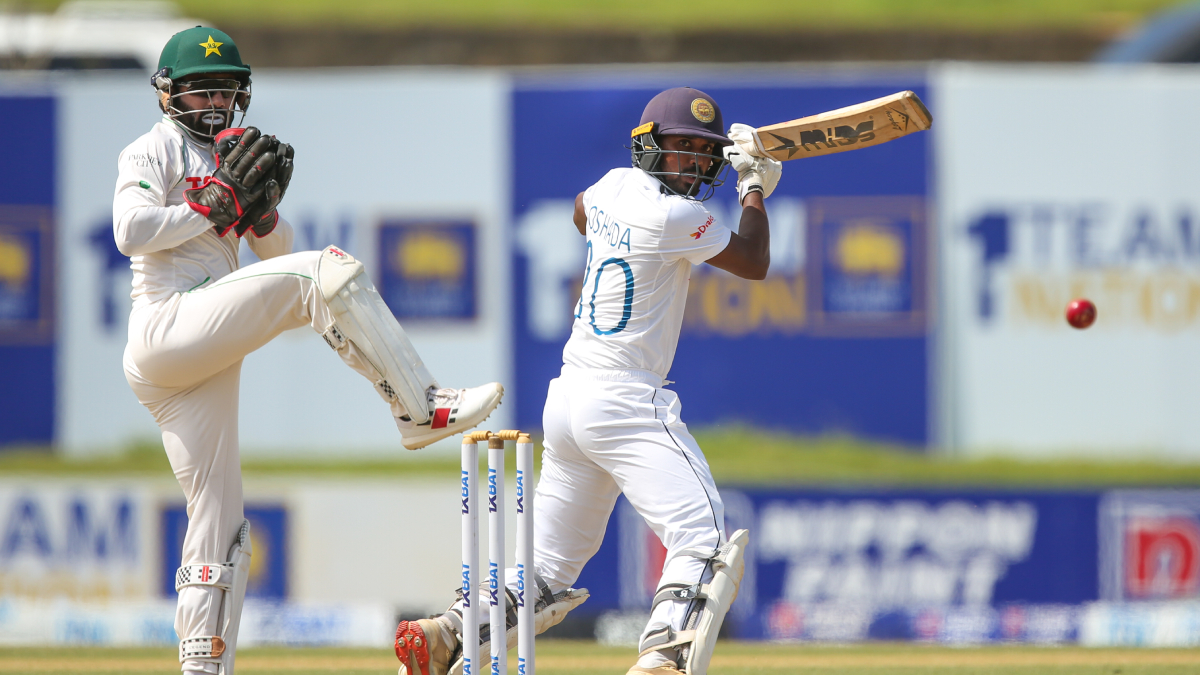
[{"x": 759, "y": 150}]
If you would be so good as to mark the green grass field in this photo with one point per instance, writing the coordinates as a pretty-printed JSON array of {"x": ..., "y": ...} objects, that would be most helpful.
[
  {"x": 639, "y": 15},
  {"x": 581, "y": 658},
  {"x": 736, "y": 455}
]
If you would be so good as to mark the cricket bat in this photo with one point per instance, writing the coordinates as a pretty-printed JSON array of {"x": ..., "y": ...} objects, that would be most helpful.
[{"x": 858, "y": 126}]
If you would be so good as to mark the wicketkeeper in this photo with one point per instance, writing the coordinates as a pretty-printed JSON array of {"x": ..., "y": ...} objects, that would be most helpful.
[{"x": 187, "y": 193}]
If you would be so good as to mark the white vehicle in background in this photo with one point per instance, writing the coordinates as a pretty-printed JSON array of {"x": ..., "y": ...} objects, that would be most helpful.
[{"x": 90, "y": 34}]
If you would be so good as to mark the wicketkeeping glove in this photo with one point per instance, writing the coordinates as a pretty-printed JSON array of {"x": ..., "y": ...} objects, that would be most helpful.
[
  {"x": 244, "y": 158},
  {"x": 261, "y": 217},
  {"x": 756, "y": 173}
]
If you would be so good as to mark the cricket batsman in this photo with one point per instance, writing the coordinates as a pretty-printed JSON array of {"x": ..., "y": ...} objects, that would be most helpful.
[
  {"x": 187, "y": 193},
  {"x": 611, "y": 427}
]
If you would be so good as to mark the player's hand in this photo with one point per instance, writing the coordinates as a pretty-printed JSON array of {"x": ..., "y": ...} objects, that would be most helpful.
[
  {"x": 244, "y": 159},
  {"x": 261, "y": 217},
  {"x": 755, "y": 173},
  {"x": 746, "y": 137}
]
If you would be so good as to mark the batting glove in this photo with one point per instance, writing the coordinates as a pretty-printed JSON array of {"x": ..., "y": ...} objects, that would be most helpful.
[{"x": 756, "y": 172}]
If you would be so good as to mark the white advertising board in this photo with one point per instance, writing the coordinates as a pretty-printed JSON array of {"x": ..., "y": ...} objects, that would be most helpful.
[
  {"x": 1053, "y": 184},
  {"x": 370, "y": 146},
  {"x": 93, "y": 560}
]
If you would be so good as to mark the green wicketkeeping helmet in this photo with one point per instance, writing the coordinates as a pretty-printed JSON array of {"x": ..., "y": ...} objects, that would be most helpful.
[
  {"x": 201, "y": 50},
  {"x": 198, "y": 51}
]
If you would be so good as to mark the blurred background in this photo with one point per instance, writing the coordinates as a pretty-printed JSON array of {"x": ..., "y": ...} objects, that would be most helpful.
[{"x": 922, "y": 447}]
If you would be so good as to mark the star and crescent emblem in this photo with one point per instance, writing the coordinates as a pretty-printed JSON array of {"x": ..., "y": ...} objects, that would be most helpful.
[{"x": 211, "y": 47}]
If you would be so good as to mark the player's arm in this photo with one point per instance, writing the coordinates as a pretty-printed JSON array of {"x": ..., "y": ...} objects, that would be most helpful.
[
  {"x": 748, "y": 253},
  {"x": 275, "y": 243},
  {"x": 142, "y": 222},
  {"x": 580, "y": 217}
]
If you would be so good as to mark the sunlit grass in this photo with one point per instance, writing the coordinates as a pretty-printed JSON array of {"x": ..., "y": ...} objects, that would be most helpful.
[
  {"x": 654, "y": 15},
  {"x": 736, "y": 455}
]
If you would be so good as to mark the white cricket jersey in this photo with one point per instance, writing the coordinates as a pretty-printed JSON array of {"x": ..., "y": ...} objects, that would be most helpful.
[
  {"x": 641, "y": 245},
  {"x": 171, "y": 247}
]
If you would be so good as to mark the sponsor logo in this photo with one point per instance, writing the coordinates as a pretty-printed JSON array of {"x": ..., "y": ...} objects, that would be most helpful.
[
  {"x": 830, "y": 137},
  {"x": 520, "y": 585},
  {"x": 703, "y": 110},
  {"x": 336, "y": 251},
  {"x": 145, "y": 160},
  {"x": 430, "y": 255},
  {"x": 1137, "y": 261},
  {"x": 520, "y": 491},
  {"x": 702, "y": 229},
  {"x": 1163, "y": 557},
  {"x": 194, "y": 181},
  {"x": 898, "y": 119},
  {"x": 491, "y": 490},
  {"x": 466, "y": 585},
  {"x": 466, "y": 494},
  {"x": 494, "y": 582},
  {"x": 901, "y": 553},
  {"x": 205, "y": 573}
]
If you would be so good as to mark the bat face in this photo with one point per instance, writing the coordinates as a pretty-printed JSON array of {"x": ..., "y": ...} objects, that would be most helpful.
[
  {"x": 857, "y": 126},
  {"x": 817, "y": 139}
]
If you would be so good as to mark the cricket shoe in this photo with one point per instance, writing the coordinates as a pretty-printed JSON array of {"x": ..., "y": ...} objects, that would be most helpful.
[
  {"x": 425, "y": 646},
  {"x": 451, "y": 411}
]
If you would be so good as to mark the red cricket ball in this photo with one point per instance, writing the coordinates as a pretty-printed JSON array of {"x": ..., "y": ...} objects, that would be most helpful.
[{"x": 1081, "y": 313}]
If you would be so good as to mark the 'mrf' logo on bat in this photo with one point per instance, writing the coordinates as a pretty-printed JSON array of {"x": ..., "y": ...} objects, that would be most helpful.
[{"x": 830, "y": 138}]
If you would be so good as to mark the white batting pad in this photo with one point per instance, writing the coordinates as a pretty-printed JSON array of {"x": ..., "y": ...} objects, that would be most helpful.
[{"x": 363, "y": 318}]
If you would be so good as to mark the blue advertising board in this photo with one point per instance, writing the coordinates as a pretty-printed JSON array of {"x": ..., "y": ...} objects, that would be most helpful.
[
  {"x": 834, "y": 340},
  {"x": 268, "y": 560},
  {"x": 428, "y": 269},
  {"x": 27, "y": 194},
  {"x": 913, "y": 564}
]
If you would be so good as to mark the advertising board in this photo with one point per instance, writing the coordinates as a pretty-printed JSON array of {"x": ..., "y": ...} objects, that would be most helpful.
[
  {"x": 1050, "y": 204},
  {"x": 835, "y": 337},
  {"x": 952, "y": 566},
  {"x": 28, "y": 269}
]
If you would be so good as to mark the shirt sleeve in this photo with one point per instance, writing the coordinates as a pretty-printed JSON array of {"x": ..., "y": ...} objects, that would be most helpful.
[
  {"x": 142, "y": 221},
  {"x": 277, "y": 243},
  {"x": 691, "y": 232}
]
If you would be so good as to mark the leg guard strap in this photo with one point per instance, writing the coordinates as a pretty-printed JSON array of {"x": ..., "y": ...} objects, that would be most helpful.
[
  {"x": 708, "y": 604},
  {"x": 664, "y": 637},
  {"x": 201, "y": 649},
  {"x": 230, "y": 577}
]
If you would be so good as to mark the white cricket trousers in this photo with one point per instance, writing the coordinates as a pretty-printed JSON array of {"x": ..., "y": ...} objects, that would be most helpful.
[
  {"x": 612, "y": 432},
  {"x": 183, "y": 361}
]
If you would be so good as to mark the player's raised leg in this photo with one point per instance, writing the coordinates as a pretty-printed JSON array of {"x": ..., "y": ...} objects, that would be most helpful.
[
  {"x": 206, "y": 330},
  {"x": 360, "y": 320}
]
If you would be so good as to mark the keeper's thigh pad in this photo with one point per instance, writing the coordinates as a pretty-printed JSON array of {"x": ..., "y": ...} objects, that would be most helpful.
[
  {"x": 710, "y": 603},
  {"x": 361, "y": 317},
  {"x": 230, "y": 577}
]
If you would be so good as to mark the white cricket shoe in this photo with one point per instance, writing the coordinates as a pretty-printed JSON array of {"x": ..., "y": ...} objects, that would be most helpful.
[
  {"x": 425, "y": 646},
  {"x": 451, "y": 411}
]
